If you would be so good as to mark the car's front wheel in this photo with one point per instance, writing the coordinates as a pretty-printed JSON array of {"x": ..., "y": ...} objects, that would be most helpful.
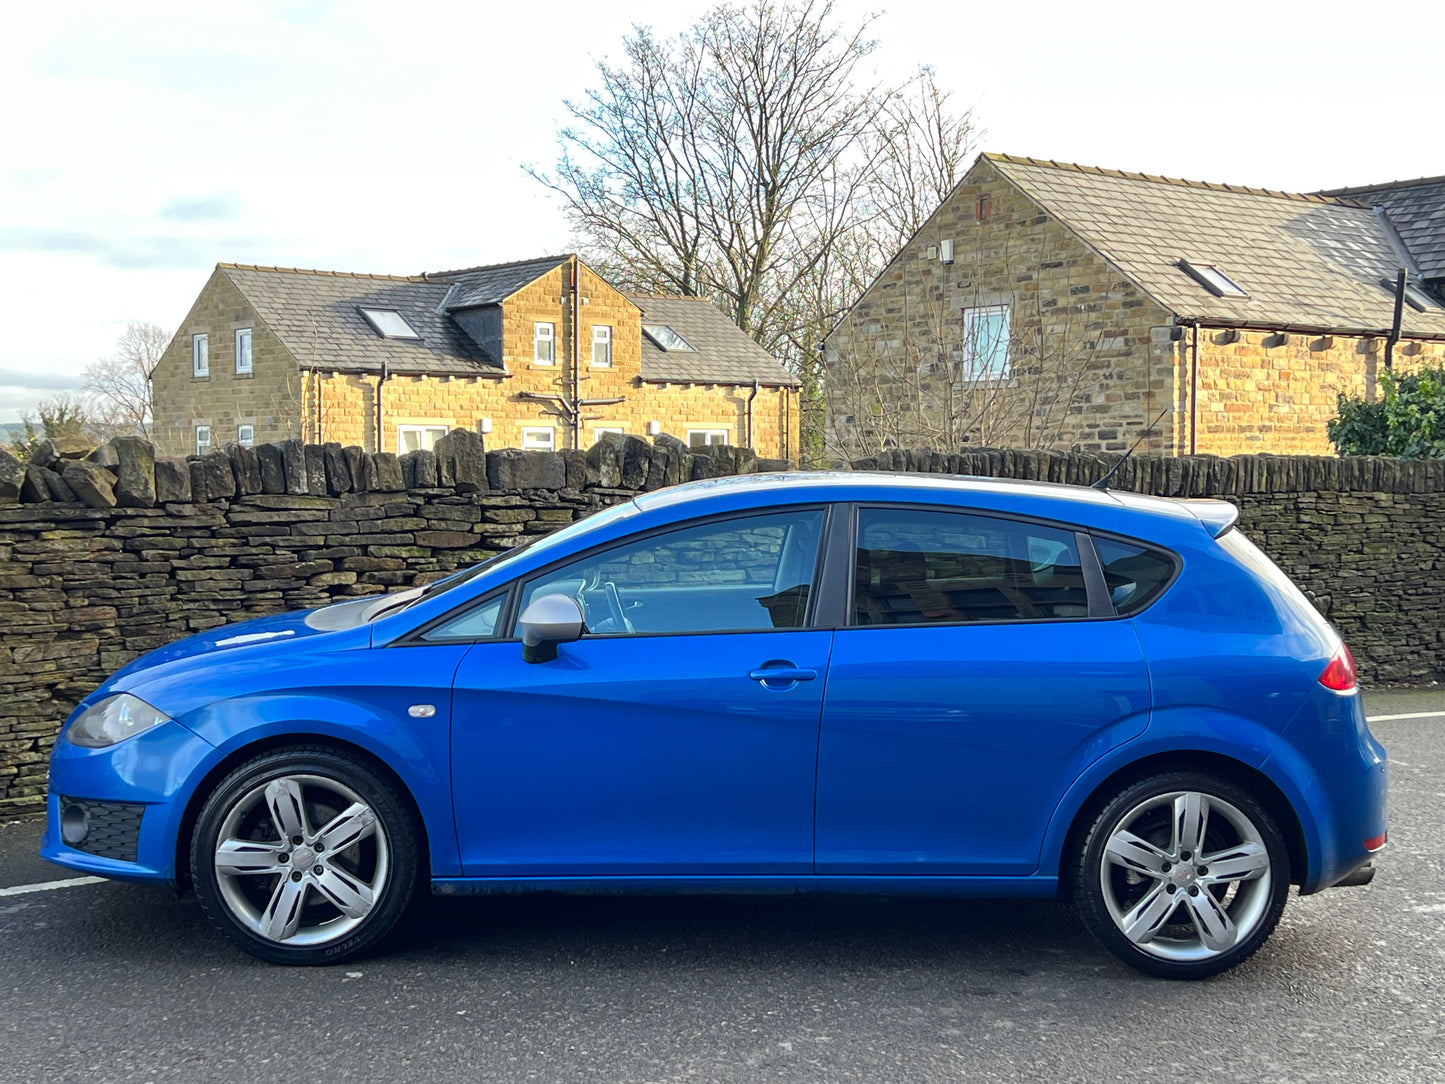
[
  {"x": 1182, "y": 875},
  {"x": 304, "y": 856}
]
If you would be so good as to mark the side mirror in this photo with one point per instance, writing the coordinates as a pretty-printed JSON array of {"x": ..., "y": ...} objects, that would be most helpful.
[{"x": 547, "y": 622}]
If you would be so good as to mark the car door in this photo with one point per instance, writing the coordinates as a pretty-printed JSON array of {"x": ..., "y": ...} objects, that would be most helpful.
[
  {"x": 678, "y": 736},
  {"x": 974, "y": 680}
]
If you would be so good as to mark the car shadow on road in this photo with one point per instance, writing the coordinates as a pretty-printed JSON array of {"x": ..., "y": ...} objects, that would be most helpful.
[{"x": 814, "y": 930}]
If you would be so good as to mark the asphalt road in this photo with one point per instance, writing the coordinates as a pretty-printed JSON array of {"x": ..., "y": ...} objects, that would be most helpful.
[{"x": 110, "y": 982}]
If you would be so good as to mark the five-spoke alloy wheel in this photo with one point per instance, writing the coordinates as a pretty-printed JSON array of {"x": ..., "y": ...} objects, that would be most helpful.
[
  {"x": 1182, "y": 875},
  {"x": 304, "y": 856}
]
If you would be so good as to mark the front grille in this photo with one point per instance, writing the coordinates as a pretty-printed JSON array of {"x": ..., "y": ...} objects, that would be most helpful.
[{"x": 104, "y": 829}]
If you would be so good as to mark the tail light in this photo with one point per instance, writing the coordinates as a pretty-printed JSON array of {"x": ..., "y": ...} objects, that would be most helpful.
[{"x": 1339, "y": 675}]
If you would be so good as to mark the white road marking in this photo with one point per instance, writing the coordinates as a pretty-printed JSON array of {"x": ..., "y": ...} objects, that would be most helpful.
[
  {"x": 1429, "y": 909},
  {"x": 50, "y": 886},
  {"x": 1406, "y": 715}
]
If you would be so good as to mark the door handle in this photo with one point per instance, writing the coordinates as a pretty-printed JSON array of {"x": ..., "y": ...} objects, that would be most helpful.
[{"x": 781, "y": 675}]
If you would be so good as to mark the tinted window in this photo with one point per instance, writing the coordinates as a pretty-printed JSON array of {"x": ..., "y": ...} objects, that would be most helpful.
[
  {"x": 1133, "y": 575},
  {"x": 730, "y": 575},
  {"x": 917, "y": 567},
  {"x": 478, "y": 623}
]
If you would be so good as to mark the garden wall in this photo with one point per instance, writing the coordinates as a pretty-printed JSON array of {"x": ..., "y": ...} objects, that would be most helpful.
[{"x": 113, "y": 554}]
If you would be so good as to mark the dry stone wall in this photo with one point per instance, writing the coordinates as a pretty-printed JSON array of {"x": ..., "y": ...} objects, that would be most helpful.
[{"x": 109, "y": 553}]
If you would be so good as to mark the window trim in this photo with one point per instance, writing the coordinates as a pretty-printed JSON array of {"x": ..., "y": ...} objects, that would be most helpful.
[
  {"x": 210, "y": 444},
  {"x": 201, "y": 358},
  {"x": 243, "y": 334},
  {"x": 1092, "y": 583},
  {"x": 830, "y": 510},
  {"x": 607, "y": 338},
  {"x": 598, "y": 431},
  {"x": 726, "y": 435},
  {"x": 550, "y": 339},
  {"x": 367, "y": 315},
  {"x": 241, "y": 437},
  {"x": 972, "y": 313},
  {"x": 420, "y": 427},
  {"x": 549, "y": 429}
]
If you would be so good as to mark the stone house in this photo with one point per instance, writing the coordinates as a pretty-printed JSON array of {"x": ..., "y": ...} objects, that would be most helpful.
[
  {"x": 540, "y": 354},
  {"x": 1060, "y": 306}
]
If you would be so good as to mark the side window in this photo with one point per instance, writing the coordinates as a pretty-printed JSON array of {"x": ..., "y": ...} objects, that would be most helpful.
[
  {"x": 1134, "y": 576},
  {"x": 478, "y": 623},
  {"x": 735, "y": 575},
  {"x": 916, "y": 567}
]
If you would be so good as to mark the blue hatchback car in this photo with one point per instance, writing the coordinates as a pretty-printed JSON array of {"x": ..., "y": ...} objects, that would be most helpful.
[{"x": 832, "y": 682}]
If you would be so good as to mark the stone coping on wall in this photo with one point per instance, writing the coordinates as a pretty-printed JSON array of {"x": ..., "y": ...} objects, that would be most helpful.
[
  {"x": 127, "y": 473},
  {"x": 1179, "y": 476}
]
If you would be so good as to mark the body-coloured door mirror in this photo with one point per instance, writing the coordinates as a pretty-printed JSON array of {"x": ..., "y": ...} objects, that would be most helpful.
[{"x": 547, "y": 622}]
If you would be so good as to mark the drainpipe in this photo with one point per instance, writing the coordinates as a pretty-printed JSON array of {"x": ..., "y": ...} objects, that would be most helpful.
[
  {"x": 320, "y": 387},
  {"x": 1394, "y": 335},
  {"x": 1194, "y": 391},
  {"x": 382, "y": 379},
  {"x": 751, "y": 397},
  {"x": 576, "y": 363}
]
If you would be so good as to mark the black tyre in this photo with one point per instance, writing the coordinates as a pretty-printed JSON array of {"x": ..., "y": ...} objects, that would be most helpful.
[
  {"x": 1182, "y": 875},
  {"x": 304, "y": 856}
]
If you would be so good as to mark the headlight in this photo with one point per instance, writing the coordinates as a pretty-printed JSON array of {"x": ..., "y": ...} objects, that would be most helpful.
[{"x": 113, "y": 719}]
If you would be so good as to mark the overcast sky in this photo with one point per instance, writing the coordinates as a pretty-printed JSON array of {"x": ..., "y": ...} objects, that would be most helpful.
[{"x": 144, "y": 142}]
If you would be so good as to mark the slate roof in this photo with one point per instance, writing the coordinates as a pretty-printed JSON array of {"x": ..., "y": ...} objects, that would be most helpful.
[
  {"x": 722, "y": 352},
  {"x": 316, "y": 316},
  {"x": 1417, "y": 209},
  {"x": 489, "y": 285},
  {"x": 1309, "y": 261}
]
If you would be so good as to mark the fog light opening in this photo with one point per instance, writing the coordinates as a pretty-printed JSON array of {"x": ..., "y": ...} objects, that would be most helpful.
[{"x": 74, "y": 823}]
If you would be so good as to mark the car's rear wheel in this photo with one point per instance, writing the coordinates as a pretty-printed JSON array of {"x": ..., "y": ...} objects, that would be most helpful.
[
  {"x": 1182, "y": 875},
  {"x": 304, "y": 856}
]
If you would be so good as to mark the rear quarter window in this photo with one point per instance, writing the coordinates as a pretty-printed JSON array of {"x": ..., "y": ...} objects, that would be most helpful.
[{"x": 1134, "y": 575}]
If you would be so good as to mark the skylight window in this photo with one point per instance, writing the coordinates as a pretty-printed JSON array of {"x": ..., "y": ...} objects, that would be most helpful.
[
  {"x": 666, "y": 338},
  {"x": 389, "y": 324},
  {"x": 1415, "y": 297},
  {"x": 1212, "y": 279}
]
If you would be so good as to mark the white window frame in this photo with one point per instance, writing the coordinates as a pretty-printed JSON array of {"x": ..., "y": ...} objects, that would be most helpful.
[
  {"x": 421, "y": 430},
  {"x": 243, "y": 351},
  {"x": 203, "y": 439},
  {"x": 534, "y": 436},
  {"x": 246, "y": 435},
  {"x": 544, "y": 333},
  {"x": 971, "y": 318},
  {"x": 602, "y": 337},
  {"x": 707, "y": 436},
  {"x": 600, "y": 431},
  {"x": 200, "y": 355}
]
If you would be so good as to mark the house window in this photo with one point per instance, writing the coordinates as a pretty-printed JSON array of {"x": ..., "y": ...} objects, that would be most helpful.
[
  {"x": 203, "y": 439},
  {"x": 983, "y": 209},
  {"x": 200, "y": 355},
  {"x": 602, "y": 430},
  {"x": 389, "y": 324},
  {"x": 539, "y": 438},
  {"x": 701, "y": 438},
  {"x": 601, "y": 345},
  {"x": 245, "y": 435},
  {"x": 985, "y": 343},
  {"x": 243, "y": 350},
  {"x": 544, "y": 350},
  {"x": 666, "y": 338},
  {"x": 1212, "y": 279},
  {"x": 416, "y": 438}
]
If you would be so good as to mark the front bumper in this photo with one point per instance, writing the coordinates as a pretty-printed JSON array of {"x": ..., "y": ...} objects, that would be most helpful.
[{"x": 117, "y": 812}]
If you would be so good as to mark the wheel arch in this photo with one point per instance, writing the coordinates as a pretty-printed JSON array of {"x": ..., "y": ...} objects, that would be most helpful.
[
  {"x": 1226, "y": 768},
  {"x": 269, "y": 743}
]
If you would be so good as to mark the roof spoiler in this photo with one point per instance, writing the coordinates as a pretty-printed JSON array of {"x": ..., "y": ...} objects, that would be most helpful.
[{"x": 1217, "y": 516}]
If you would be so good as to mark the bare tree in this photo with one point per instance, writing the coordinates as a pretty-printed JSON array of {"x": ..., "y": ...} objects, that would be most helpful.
[
  {"x": 753, "y": 160},
  {"x": 119, "y": 386}
]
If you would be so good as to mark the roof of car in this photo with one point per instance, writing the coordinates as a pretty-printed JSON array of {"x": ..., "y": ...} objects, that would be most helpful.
[{"x": 1107, "y": 509}]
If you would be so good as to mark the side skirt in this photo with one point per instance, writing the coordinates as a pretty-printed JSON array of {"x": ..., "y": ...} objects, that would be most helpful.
[{"x": 977, "y": 887}]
